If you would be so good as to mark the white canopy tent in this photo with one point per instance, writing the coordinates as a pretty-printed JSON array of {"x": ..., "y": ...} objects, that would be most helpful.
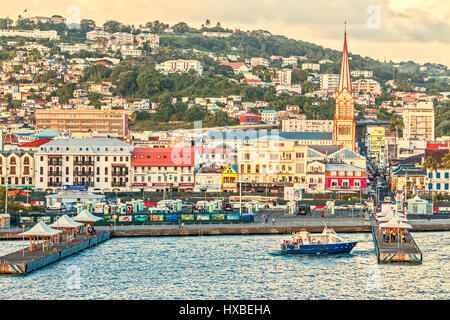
[
  {"x": 40, "y": 231},
  {"x": 87, "y": 218},
  {"x": 66, "y": 223},
  {"x": 396, "y": 223}
]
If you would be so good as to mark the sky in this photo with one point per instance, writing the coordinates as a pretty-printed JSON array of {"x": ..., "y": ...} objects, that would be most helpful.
[{"x": 397, "y": 30}]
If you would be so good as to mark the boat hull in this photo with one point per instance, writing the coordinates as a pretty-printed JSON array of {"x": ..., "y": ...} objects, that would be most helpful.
[{"x": 343, "y": 247}]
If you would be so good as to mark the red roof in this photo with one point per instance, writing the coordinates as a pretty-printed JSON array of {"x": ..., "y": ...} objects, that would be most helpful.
[
  {"x": 234, "y": 65},
  {"x": 163, "y": 157},
  {"x": 103, "y": 63},
  {"x": 35, "y": 143}
]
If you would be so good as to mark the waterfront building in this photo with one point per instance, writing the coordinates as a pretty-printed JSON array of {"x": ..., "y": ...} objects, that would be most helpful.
[
  {"x": 408, "y": 176},
  {"x": 438, "y": 181},
  {"x": 208, "y": 180},
  {"x": 345, "y": 177},
  {"x": 96, "y": 164},
  {"x": 315, "y": 176},
  {"x": 159, "y": 169},
  {"x": 344, "y": 125},
  {"x": 83, "y": 120},
  {"x": 17, "y": 168},
  {"x": 230, "y": 179}
]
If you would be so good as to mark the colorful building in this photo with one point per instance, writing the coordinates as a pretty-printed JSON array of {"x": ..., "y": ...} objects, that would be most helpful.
[
  {"x": 230, "y": 178},
  {"x": 344, "y": 177}
]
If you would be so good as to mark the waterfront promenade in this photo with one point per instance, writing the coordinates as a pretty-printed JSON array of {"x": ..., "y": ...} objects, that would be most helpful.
[
  {"x": 24, "y": 261},
  {"x": 287, "y": 225}
]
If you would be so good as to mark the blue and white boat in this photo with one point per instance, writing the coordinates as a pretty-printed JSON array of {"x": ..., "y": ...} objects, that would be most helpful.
[{"x": 326, "y": 242}]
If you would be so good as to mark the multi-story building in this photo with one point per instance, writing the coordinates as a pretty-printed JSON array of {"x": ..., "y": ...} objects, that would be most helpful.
[
  {"x": 343, "y": 177},
  {"x": 283, "y": 77},
  {"x": 375, "y": 141},
  {"x": 174, "y": 66},
  {"x": 268, "y": 116},
  {"x": 17, "y": 168},
  {"x": 158, "y": 169},
  {"x": 291, "y": 61},
  {"x": 418, "y": 121},
  {"x": 439, "y": 180},
  {"x": 303, "y": 125},
  {"x": 36, "y": 33},
  {"x": 151, "y": 39},
  {"x": 98, "y": 164},
  {"x": 259, "y": 62},
  {"x": 312, "y": 66},
  {"x": 329, "y": 81},
  {"x": 361, "y": 73},
  {"x": 208, "y": 180},
  {"x": 113, "y": 122},
  {"x": 369, "y": 86}
]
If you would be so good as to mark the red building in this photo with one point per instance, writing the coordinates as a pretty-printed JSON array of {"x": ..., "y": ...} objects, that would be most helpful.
[
  {"x": 249, "y": 118},
  {"x": 159, "y": 169}
]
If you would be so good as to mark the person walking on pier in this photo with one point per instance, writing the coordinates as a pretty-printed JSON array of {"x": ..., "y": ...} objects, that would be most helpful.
[{"x": 273, "y": 220}]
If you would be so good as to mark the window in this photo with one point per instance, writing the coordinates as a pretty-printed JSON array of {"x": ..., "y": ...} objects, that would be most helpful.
[
  {"x": 446, "y": 175},
  {"x": 438, "y": 175}
]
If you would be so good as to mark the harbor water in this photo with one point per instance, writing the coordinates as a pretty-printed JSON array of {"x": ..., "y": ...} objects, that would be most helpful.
[{"x": 232, "y": 267}]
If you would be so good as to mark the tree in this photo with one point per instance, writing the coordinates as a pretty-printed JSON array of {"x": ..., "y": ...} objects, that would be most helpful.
[
  {"x": 430, "y": 165},
  {"x": 395, "y": 124},
  {"x": 207, "y": 22},
  {"x": 445, "y": 162},
  {"x": 181, "y": 27},
  {"x": 112, "y": 26},
  {"x": 127, "y": 83}
]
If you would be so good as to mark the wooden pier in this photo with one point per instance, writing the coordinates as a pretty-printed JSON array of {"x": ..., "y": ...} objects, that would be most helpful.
[
  {"x": 395, "y": 251},
  {"x": 24, "y": 261}
]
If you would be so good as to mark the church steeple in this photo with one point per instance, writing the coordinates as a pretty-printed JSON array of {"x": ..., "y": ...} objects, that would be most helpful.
[
  {"x": 344, "y": 126},
  {"x": 344, "y": 78}
]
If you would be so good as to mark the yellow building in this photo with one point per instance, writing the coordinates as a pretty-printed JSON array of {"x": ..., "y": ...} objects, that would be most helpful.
[
  {"x": 230, "y": 178},
  {"x": 375, "y": 141},
  {"x": 83, "y": 120}
]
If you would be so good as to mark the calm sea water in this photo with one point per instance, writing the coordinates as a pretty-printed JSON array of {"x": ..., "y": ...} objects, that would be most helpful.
[{"x": 232, "y": 267}]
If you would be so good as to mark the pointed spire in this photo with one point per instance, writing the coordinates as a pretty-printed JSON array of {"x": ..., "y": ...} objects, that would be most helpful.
[{"x": 344, "y": 78}]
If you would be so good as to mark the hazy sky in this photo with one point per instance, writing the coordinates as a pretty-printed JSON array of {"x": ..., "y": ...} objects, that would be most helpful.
[{"x": 398, "y": 30}]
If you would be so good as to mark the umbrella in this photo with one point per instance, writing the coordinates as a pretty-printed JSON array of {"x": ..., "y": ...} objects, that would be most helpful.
[{"x": 396, "y": 223}]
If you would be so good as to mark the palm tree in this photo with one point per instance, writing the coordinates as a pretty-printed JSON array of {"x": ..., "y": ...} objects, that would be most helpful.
[
  {"x": 207, "y": 22},
  {"x": 445, "y": 162},
  {"x": 430, "y": 165},
  {"x": 395, "y": 124}
]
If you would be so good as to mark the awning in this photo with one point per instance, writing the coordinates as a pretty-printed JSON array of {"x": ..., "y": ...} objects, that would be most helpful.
[
  {"x": 65, "y": 222},
  {"x": 41, "y": 230}
]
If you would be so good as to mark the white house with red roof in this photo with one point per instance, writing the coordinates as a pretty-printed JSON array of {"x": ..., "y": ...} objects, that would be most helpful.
[{"x": 237, "y": 67}]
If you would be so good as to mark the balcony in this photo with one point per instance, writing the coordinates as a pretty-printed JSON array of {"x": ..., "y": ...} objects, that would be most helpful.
[
  {"x": 83, "y": 173},
  {"x": 54, "y": 162},
  {"x": 118, "y": 184},
  {"x": 119, "y": 173},
  {"x": 54, "y": 173},
  {"x": 54, "y": 184},
  {"x": 84, "y": 183},
  {"x": 83, "y": 162}
]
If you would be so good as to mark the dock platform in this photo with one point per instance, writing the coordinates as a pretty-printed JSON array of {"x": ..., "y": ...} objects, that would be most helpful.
[
  {"x": 395, "y": 251},
  {"x": 24, "y": 261}
]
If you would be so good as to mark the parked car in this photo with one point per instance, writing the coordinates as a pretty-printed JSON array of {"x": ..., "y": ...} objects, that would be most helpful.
[
  {"x": 187, "y": 205},
  {"x": 359, "y": 206},
  {"x": 303, "y": 209},
  {"x": 228, "y": 207},
  {"x": 56, "y": 206}
]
